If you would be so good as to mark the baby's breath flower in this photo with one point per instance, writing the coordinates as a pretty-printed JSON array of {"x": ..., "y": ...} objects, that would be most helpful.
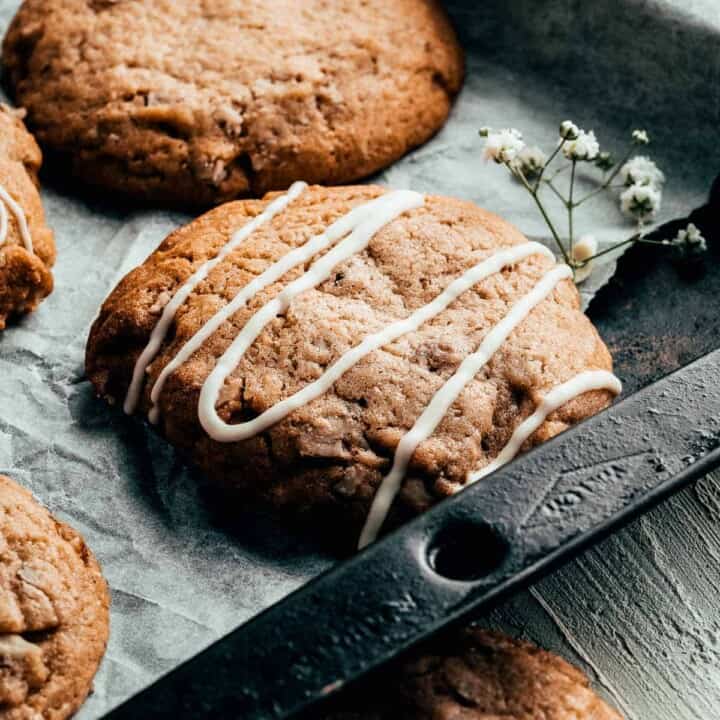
[
  {"x": 641, "y": 197},
  {"x": 690, "y": 240},
  {"x": 529, "y": 161},
  {"x": 641, "y": 202},
  {"x": 605, "y": 161},
  {"x": 584, "y": 147},
  {"x": 569, "y": 130},
  {"x": 503, "y": 146},
  {"x": 641, "y": 170},
  {"x": 583, "y": 249}
]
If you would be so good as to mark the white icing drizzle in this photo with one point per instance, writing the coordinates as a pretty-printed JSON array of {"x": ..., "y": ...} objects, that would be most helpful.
[
  {"x": 17, "y": 211},
  {"x": 298, "y": 256},
  {"x": 579, "y": 385},
  {"x": 433, "y": 414},
  {"x": 392, "y": 332},
  {"x": 160, "y": 330},
  {"x": 365, "y": 223}
]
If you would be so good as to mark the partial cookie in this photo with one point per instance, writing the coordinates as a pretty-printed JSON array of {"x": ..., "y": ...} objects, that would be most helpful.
[
  {"x": 474, "y": 675},
  {"x": 197, "y": 103},
  {"x": 53, "y": 611},
  {"x": 330, "y": 454},
  {"x": 27, "y": 247}
]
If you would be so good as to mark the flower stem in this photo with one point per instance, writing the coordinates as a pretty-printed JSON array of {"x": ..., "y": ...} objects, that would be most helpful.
[
  {"x": 633, "y": 239},
  {"x": 553, "y": 155},
  {"x": 533, "y": 192},
  {"x": 557, "y": 172},
  {"x": 553, "y": 187},
  {"x": 570, "y": 206},
  {"x": 608, "y": 181}
]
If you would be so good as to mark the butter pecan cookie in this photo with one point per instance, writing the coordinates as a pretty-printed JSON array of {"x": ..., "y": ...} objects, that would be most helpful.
[
  {"x": 475, "y": 675},
  {"x": 186, "y": 102},
  {"x": 350, "y": 350},
  {"x": 53, "y": 611}
]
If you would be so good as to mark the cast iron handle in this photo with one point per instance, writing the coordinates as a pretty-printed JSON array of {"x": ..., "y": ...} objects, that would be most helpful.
[{"x": 463, "y": 555}]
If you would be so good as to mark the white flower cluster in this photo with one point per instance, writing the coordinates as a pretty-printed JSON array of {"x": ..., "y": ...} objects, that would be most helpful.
[
  {"x": 502, "y": 146},
  {"x": 641, "y": 170},
  {"x": 690, "y": 240},
  {"x": 529, "y": 161},
  {"x": 584, "y": 146},
  {"x": 644, "y": 181},
  {"x": 641, "y": 196},
  {"x": 641, "y": 202},
  {"x": 569, "y": 130}
]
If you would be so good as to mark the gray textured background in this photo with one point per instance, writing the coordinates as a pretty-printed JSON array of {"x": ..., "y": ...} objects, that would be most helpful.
[{"x": 641, "y": 613}]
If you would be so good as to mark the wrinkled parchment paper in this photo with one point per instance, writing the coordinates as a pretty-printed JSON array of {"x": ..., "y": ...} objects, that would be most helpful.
[{"x": 179, "y": 579}]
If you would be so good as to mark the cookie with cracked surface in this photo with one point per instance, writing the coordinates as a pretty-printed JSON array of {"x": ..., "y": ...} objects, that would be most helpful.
[
  {"x": 474, "y": 675},
  {"x": 27, "y": 246},
  {"x": 185, "y": 102},
  {"x": 197, "y": 294},
  {"x": 53, "y": 611}
]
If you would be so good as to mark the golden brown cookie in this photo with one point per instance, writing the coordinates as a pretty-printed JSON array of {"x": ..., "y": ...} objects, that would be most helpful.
[
  {"x": 474, "y": 675},
  {"x": 53, "y": 611},
  {"x": 26, "y": 255},
  {"x": 331, "y": 453},
  {"x": 196, "y": 103}
]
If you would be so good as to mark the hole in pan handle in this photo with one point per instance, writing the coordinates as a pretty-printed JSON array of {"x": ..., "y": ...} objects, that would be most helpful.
[
  {"x": 467, "y": 551},
  {"x": 462, "y": 556}
]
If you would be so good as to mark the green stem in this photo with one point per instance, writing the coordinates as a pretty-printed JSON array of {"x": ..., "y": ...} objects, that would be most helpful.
[
  {"x": 645, "y": 241},
  {"x": 619, "y": 166},
  {"x": 559, "y": 171},
  {"x": 608, "y": 181},
  {"x": 549, "y": 183},
  {"x": 633, "y": 239},
  {"x": 553, "y": 155},
  {"x": 548, "y": 222},
  {"x": 595, "y": 192},
  {"x": 569, "y": 206}
]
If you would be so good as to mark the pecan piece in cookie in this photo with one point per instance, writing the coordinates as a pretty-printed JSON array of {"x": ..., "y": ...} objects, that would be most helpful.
[{"x": 22, "y": 670}]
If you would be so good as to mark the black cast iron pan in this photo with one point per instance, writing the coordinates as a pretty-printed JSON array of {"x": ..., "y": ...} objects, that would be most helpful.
[{"x": 658, "y": 316}]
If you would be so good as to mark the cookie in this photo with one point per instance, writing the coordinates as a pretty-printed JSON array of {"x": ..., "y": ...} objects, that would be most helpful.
[
  {"x": 290, "y": 345},
  {"x": 27, "y": 247},
  {"x": 474, "y": 675},
  {"x": 195, "y": 103},
  {"x": 53, "y": 611}
]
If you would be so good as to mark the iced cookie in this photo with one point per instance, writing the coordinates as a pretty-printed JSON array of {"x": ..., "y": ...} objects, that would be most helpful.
[
  {"x": 333, "y": 349},
  {"x": 27, "y": 247}
]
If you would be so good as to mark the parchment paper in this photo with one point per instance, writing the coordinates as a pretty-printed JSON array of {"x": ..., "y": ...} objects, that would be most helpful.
[{"x": 179, "y": 579}]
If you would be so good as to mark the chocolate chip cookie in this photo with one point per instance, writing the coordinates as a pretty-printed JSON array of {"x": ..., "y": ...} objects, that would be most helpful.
[
  {"x": 195, "y": 103},
  {"x": 53, "y": 611}
]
